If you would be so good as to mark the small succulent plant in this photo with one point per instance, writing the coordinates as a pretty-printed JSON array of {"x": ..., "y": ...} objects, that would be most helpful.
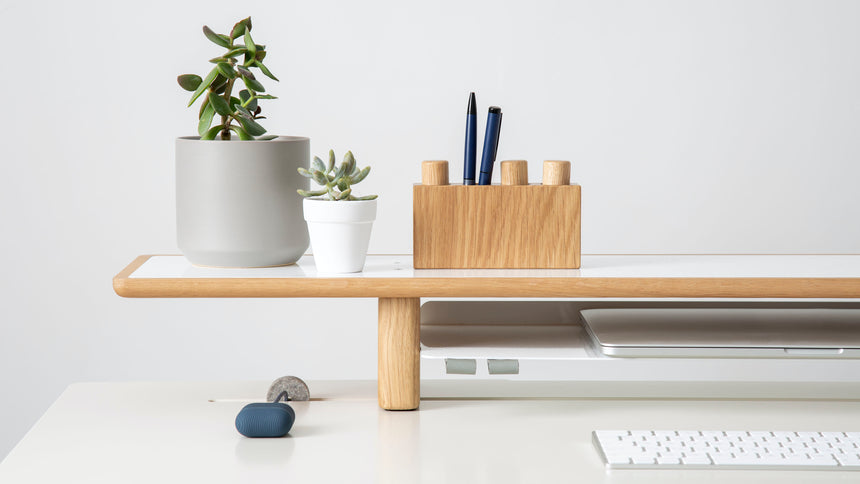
[
  {"x": 218, "y": 86},
  {"x": 336, "y": 181}
]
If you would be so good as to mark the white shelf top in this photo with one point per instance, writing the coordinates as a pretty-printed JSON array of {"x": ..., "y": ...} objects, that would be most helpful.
[{"x": 593, "y": 266}]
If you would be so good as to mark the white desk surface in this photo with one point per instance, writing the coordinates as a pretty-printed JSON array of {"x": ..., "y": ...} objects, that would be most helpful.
[{"x": 183, "y": 433}]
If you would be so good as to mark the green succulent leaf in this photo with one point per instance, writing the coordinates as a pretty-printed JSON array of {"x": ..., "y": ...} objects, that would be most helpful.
[
  {"x": 238, "y": 31},
  {"x": 312, "y": 193},
  {"x": 318, "y": 164},
  {"x": 240, "y": 28},
  {"x": 305, "y": 172},
  {"x": 234, "y": 101},
  {"x": 330, "y": 165},
  {"x": 221, "y": 105},
  {"x": 249, "y": 44},
  {"x": 205, "y": 120},
  {"x": 348, "y": 163},
  {"x": 265, "y": 96},
  {"x": 245, "y": 73},
  {"x": 253, "y": 85},
  {"x": 268, "y": 137},
  {"x": 236, "y": 52},
  {"x": 252, "y": 127},
  {"x": 339, "y": 172},
  {"x": 226, "y": 70},
  {"x": 260, "y": 55},
  {"x": 360, "y": 176},
  {"x": 189, "y": 82},
  {"x": 203, "y": 106},
  {"x": 366, "y": 197},
  {"x": 342, "y": 184},
  {"x": 219, "y": 85},
  {"x": 320, "y": 178},
  {"x": 243, "y": 135},
  {"x": 344, "y": 194},
  {"x": 246, "y": 98},
  {"x": 265, "y": 70},
  {"x": 207, "y": 81},
  {"x": 216, "y": 60},
  {"x": 210, "y": 135},
  {"x": 243, "y": 112},
  {"x": 221, "y": 40},
  {"x": 332, "y": 195},
  {"x": 219, "y": 80}
]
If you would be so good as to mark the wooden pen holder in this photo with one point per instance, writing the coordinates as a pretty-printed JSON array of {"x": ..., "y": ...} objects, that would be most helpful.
[{"x": 496, "y": 226}]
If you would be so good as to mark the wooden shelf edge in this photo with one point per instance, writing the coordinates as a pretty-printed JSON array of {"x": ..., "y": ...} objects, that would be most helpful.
[
  {"x": 726, "y": 288},
  {"x": 121, "y": 280}
]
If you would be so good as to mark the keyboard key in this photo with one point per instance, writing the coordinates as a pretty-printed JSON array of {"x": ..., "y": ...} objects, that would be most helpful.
[
  {"x": 643, "y": 459},
  {"x": 696, "y": 460},
  {"x": 848, "y": 460}
]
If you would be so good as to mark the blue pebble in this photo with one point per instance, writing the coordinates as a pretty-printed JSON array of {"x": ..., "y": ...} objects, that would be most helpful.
[{"x": 265, "y": 420}]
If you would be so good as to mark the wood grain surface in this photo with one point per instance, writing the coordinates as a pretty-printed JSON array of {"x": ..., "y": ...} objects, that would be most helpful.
[
  {"x": 434, "y": 172},
  {"x": 496, "y": 227},
  {"x": 398, "y": 353},
  {"x": 556, "y": 172},
  {"x": 515, "y": 172}
]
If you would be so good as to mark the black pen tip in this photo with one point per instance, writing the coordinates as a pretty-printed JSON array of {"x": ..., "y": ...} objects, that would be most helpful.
[
  {"x": 473, "y": 109},
  {"x": 495, "y": 110}
]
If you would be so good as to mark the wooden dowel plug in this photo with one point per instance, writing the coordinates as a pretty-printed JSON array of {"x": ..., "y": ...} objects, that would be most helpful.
[
  {"x": 556, "y": 172},
  {"x": 434, "y": 172},
  {"x": 515, "y": 172}
]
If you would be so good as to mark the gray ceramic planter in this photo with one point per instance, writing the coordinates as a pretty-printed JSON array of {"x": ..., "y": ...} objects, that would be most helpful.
[{"x": 236, "y": 201}]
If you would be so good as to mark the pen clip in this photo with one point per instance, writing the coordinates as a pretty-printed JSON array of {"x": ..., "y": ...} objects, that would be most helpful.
[{"x": 498, "y": 135}]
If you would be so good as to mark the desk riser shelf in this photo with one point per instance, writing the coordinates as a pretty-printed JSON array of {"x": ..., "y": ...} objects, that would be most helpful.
[{"x": 394, "y": 278}]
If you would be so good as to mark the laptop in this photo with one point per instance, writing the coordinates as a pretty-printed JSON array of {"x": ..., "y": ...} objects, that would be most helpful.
[{"x": 724, "y": 332}]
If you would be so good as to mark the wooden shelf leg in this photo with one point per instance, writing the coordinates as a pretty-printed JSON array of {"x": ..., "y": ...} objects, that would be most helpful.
[{"x": 399, "y": 359}]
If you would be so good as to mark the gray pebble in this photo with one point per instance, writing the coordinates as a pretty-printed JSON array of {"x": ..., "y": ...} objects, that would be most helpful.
[{"x": 296, "y": 389}]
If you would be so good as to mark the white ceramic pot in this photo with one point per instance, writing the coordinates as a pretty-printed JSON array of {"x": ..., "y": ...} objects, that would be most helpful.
[{"x": 340, "y": 233}]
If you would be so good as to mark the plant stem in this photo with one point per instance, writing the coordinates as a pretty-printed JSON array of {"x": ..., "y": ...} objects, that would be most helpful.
[{"x": 225, "y": 133}]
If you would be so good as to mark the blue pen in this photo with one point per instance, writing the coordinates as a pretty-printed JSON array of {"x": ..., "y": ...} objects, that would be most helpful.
[
  {"x": 491, "y": 144},
  {"x": 470, "y": 158}
]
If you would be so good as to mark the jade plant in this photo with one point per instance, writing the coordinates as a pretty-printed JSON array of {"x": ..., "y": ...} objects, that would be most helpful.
[
  {"x": 336, "y": 181},
  {"x": 237, "y": 114}
]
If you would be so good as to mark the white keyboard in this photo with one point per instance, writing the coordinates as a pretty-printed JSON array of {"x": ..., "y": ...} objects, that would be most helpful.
[{"x": 691, "y": 449}]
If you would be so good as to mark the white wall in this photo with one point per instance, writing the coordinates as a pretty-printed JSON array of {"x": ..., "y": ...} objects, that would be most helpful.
[{"x": 725, "y": 126}]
